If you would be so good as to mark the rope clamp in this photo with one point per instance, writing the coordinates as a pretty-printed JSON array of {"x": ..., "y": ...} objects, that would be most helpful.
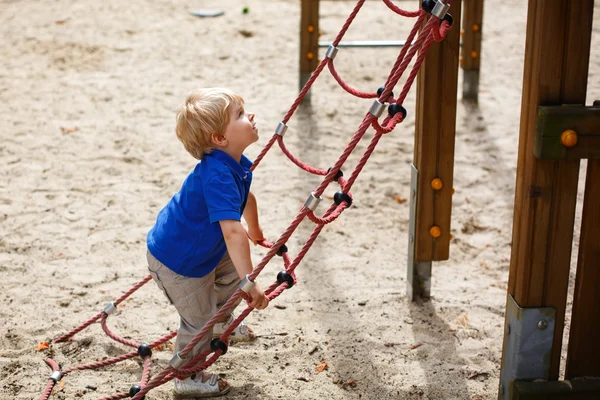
[
  {"x": 313, "y": 201},
  {"x": 331, "y": 51},
  {"x": 440, "y": 9},
  {"x": 177, "y": 362},
  {"x": 56, "y": 376},
  {"x": 281, "y": 129},
  {"x": 110, "y": 308},
  {"x": 246, "y": 284},
  {"x": 377, "y": 108}
]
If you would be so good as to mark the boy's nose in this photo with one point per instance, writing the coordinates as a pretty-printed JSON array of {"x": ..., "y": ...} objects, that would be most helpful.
[{"x": 251, "y": 116}]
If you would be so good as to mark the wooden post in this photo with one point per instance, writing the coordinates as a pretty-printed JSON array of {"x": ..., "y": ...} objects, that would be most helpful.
[
  {"x": 470, "y": 59},
  {"x": 435, "y": 129},
  {"x": 584, "y": 348},
  {"x": 309, "y": 41},
  {"x": 556, "y": 68}
]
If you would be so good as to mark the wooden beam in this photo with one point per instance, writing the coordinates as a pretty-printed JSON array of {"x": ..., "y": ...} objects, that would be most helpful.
[
  {"x": 309, "y": 39},
  {"x": 556, "y": 68},
  {"x": 582, "y": 122},
  {"x": 435, "y": 129},
  {"x": 470, "y": 59},
  {"x": 583, "y": 356},
  {"x": 558, "y": 390}
]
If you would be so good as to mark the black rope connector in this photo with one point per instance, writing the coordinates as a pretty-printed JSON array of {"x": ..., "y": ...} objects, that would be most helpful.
[
  {"x": 134, "y": 390},
  {"x": 396, "y": 108},
  {"x": 281, "y": 250},
  {"x": 380, "y": 91},
  {"x": 283, "y": 276},
  {"x": 338, "y": 175},
  {"x": 144, "y": 350},
  {"x": 428, "y": 5},
  {"x": 218, "y": 344},
  {"x": 448, "y": 18},
  {"x": 339, "y": 197}
]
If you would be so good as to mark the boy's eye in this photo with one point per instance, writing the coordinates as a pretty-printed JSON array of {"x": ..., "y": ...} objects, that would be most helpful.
[{"x": 241, "y": 112}]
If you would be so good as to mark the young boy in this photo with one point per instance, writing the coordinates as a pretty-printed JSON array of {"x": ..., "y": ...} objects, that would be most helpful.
[{"x": 198, "y": 251}]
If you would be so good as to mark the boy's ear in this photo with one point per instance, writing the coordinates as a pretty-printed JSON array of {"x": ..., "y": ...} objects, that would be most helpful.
[{"x": 218, "y": 140}]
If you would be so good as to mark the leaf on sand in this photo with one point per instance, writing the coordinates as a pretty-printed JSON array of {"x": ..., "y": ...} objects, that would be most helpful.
[
  {"x": 68, "y": 130},
  {"x": 415, "y": 346},
  {"x": 321, "y": 367},
  {"x": 399, "y": 199},
  {"x": 58, "y": 387},
  {"x": 42, "y": 346}
]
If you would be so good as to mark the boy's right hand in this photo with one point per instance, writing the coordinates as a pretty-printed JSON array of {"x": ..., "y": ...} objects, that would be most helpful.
[{"x": 258, "y": 299}]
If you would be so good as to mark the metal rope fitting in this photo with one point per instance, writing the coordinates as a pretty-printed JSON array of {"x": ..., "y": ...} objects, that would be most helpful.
[
  {"x": 56, "y": 376},
  {"x": 177, "y": 362},
  {"x": 110, "y": 308},
  {"x": 377, "y": 108},
  {"x": 331, "y": 51},
  {"x": 281, "y": 129},
  {"x": 440, "y": 9},
  {"x": 246, "y": 284},
  {"x": 312, "y": 202}
]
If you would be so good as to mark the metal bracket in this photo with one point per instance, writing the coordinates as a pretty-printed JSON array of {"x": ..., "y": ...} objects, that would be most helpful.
[
  {"x": 528, "y": 339},
  {"x": 56, "y": 376},
  {"x": 281, "y": 129},
  {"x": 331, "y": 52},
  {"x": 177, "y": 362},
  {"x": 312, "y": 202},
  {"x": 110, "y": 308},
  {"x": 471, "y": 84},
  {"x": 377, "y": 108},
  {"x": 418, "y": 279},
  {"x": 440, "y": 9}
]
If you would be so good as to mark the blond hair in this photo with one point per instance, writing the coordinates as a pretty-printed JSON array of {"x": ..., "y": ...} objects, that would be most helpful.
[{"x": 204, "y": 113}]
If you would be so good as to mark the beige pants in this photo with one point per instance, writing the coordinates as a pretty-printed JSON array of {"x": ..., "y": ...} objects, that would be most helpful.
[{"x": 196, "y": 299}]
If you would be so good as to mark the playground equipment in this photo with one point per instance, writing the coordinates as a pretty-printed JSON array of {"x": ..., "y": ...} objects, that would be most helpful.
[
  {"x": 556, "y": 132},
  {"x": 432, "y": 25},
  {"x": 470, "y": 59},
  {"x": 471, "y": 33}
]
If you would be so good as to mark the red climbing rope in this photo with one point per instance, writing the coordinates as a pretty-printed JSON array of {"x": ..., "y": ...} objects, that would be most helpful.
[{"x": 432, "y": 30}]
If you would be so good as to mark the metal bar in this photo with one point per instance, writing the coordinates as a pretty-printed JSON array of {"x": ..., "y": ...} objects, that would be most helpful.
[{"x": 367, "y": 43}]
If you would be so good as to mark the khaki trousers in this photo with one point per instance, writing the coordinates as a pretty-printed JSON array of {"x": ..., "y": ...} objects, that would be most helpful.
[{"x": 196, "y": 299}]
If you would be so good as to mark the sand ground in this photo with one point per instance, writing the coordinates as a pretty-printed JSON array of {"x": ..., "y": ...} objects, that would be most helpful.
[{"x": 88, "y": 157}]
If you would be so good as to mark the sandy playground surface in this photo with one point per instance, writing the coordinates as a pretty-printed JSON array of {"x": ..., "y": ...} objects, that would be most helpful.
[{"x": 88, "y": 156}]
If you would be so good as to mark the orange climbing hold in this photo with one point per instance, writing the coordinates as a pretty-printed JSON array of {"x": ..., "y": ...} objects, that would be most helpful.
[{"x": 569, "y": 138}]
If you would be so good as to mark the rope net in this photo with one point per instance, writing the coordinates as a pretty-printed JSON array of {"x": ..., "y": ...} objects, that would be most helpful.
[{"x": 427, "y": 29}]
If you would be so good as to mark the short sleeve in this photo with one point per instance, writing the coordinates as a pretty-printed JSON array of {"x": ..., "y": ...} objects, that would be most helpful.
[{"x": 223, "y": 199}]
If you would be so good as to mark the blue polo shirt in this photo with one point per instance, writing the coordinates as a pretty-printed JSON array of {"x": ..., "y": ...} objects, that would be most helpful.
[{"x": 187, "y": 237}]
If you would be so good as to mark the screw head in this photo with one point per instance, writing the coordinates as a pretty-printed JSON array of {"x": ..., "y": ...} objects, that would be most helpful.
[{"x": 543, "y": 324}]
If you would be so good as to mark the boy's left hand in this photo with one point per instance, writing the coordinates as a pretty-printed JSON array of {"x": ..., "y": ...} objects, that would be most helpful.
[{"x": 255, "y": 234}]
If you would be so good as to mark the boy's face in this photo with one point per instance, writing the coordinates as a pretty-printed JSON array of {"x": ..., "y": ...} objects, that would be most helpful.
[{"x": 242, "y": 130}]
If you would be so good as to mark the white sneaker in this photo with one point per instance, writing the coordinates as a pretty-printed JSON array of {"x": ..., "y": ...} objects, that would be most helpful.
[
  {"x": 194, "y": 388},
  {"x": 241, "y": 333}
]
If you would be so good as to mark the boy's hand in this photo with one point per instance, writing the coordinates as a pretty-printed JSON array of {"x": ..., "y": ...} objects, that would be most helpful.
[
  {"x": 258, "y": 299},
  {"x": 255, "y": 234}
]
